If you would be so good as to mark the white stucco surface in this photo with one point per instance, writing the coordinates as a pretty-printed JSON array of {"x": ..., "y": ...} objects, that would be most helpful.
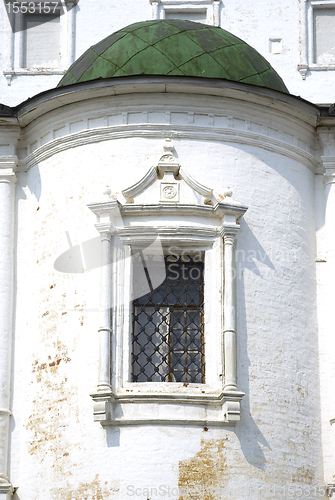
[
  {"x": 57, "y": 450},
  {"x": 257, "y": 23},
  {"x": 276, "y": 154}
]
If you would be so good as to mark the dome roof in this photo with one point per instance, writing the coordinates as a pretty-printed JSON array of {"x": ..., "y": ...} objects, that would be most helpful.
[{"x": 174, "y": 47}]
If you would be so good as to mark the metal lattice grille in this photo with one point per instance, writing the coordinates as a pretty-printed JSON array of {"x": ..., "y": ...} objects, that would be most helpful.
[{"x": 168, "y": 339}]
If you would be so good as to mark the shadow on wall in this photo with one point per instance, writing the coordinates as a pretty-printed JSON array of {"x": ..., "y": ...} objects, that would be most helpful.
[
  {"x": 246, "y": 430},
  {"x": 112, "y": 436}
]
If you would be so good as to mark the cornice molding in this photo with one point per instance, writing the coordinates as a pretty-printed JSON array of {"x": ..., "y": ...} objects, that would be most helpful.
[
  {"x": 140, "y": 236},
  {"x": 178, "y": 2},
  {"x": 8, "y": 168},
  {"x": 105, "y": 403},
  {"x": 160, "y": 130},
  {"x": 139, "y": 186},
  {"x": 206, "y": 192}
]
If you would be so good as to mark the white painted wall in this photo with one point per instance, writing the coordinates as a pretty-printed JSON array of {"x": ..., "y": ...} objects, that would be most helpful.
[
  {"x": 265, "y": 153},
  {"x": 256, "y": 22}
]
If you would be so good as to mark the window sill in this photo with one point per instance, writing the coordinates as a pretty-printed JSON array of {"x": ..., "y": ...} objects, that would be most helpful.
[
  {"x": 31, "y": 72},
  {"x": 304, "y": 68},
  {"x": 321, "y": 67},
  {"x": 192, "y": 405}
]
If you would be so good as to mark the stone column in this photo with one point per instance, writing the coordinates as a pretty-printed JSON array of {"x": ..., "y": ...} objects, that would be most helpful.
[
  {"x": 326, "y": 288},
  {"x": 331, "y": 486},
  {"x": 9, "y": 59},
  {"x": 216, "y": 12},
  {"x": 7, "y": 200},
  {"x": 107, "y": 214},
  {"x": 104, "y": 383},
  {"x": 155, "y": 10},
  {"x": 229, "y": 332},
  {"x": 70, "y": 12},
  {"x": 330, "y": 289},
  {"x": 303, "y": 64}
]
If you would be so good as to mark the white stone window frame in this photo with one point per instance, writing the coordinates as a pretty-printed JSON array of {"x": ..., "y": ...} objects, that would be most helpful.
[
  {"x": 307, "y": 42},
  {"x": 16, "y": 48},
  {"x": 119, "y": 401},
  {"x": 212, "y": 8}
]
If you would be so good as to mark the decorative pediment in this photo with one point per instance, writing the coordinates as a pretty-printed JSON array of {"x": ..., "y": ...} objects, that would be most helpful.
[
  {"x": 168, "y": 201},
  {"x": 168, "y": 183}
]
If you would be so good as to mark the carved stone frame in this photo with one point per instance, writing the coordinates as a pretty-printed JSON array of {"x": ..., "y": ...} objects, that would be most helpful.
[
  {"x": 14, "y": 65},
  {"x": 211, "y": 226},
  {"x": 307, "y": 38},
  {"x": 212, "y": 8}
]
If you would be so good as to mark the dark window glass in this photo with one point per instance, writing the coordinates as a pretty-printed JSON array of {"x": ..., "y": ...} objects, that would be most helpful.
[{"x": 168, "y": 339}]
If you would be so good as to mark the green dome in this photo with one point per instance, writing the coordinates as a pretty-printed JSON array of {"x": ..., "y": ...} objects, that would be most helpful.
[{"x": 174, "y": 47}]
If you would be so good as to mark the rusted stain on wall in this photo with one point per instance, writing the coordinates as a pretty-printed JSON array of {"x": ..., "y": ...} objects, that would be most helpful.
[
  {"x": 50, "y": 366},
  {"x": 205, "y": 472},
  {"x": 303, "y": 475},
  {"x": 85, "y": 491},
  {"x": 209, "y": 474},
  {"x": 53, "y": 405}
]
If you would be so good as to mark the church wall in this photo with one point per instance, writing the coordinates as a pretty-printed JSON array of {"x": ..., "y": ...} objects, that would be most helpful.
[
  {"x": 57, "y": 449},
  {"x": 257, "y": 22}
]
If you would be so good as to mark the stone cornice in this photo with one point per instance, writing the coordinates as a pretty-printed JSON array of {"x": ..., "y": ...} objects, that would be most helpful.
[
  {"x": 206, "y": 413},
  {"x": 8, "y": 162},
  {"x": 136, "y": 188},
  {"x": 161, "y": 130},
  {"x": 52, "y": 99},
  {"x": 83, "y": 116}
]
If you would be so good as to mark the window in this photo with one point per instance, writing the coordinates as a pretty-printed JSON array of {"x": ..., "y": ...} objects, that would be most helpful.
[
  {"x": 42, "y": 38},
  {"x": 172, "y": 277},
  {"x": 324, "y": 36},
  {"x": 198, "y": 16},
  {"x": 317, "y": 42},
  {"x": 41, "y": 41},
  {"x": 168, "y": 324},
  {"x": 200, "y": 11}
]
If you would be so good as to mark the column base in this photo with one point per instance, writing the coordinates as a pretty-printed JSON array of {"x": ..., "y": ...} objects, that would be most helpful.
[
  {"x": 230, "y": 388},
  {"x": 6, "y": 489}
]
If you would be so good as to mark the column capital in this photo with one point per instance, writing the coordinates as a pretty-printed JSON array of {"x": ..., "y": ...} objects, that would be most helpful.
[
  {"x": 8, "y": 164},
  {"x": 327, "y": 161},
  {"x": 106, "y": 230},
  {"x": 228, "y": 232},
  {"x": 328, "y": 168},
  {"x": 6, "y": 488},
  {"x": 107, "y": 213}
]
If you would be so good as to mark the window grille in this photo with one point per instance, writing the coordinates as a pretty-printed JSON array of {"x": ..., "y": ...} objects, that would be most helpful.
[{"x": 168, "y": 325}]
